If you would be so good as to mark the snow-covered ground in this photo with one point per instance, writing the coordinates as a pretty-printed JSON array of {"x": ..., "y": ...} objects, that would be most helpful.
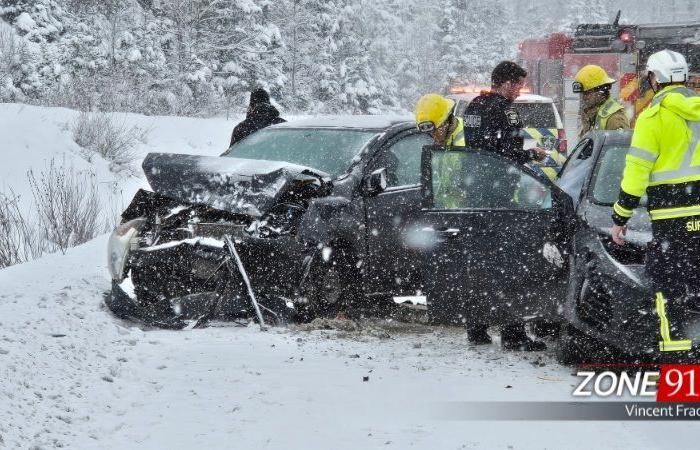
[{"x": 73, "y": 376}]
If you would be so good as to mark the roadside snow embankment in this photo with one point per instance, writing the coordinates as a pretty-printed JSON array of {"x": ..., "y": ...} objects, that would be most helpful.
[{"x": 33, "y": 135}]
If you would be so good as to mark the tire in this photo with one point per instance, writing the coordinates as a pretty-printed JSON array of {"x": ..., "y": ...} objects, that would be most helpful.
[
  {"x": 333, "y": 286},
  {"x": 543, "y": 329},
  {"x": 577, "y": 347},
  {"x": 573, "y": 346}
]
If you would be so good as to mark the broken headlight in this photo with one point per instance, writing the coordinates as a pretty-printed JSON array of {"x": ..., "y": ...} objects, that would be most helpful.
[
  {"x": 119, "y": 245},
  {"x": 628, "y": 254}
]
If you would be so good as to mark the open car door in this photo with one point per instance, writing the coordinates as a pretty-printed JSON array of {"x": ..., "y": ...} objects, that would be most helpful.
[{"x": 494, "y": 238}]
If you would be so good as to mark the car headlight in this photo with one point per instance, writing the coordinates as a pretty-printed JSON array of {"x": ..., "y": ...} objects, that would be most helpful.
[
  {"x": 627, "y": 254},
  {"x": 119, "y": 245}
]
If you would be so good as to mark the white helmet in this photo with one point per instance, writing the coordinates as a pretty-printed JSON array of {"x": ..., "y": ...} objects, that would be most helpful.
[{"x": 668, "y": 66}]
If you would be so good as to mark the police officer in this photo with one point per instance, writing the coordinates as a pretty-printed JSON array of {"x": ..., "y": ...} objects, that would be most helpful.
[
  {"x": 664, "y": 162},
  {"x": 599, "y": 110},
  {"x": 491, "y": 121},
  {"x": 493, "y": 124}
]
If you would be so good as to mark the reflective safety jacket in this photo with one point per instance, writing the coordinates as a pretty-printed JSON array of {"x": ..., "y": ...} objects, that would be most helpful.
[
  {"x": 664, "y": 160},
  {"x": 448, "y": 191},
  {"x": 609, "y": 116},
  {"x": 456, "y": 139}
]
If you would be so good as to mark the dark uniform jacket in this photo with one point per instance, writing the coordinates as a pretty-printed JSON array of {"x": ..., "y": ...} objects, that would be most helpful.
[
  {"x": 492, "y": 123},
  {"x": 259, "y": 116}
]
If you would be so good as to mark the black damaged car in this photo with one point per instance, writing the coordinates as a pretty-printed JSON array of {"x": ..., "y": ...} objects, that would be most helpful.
[
  {"x": 315, "y": 209},
  {"x": 502, "y": 242}
]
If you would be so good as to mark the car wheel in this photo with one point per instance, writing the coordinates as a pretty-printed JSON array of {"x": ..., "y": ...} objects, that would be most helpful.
[
  {"x": 573, "y": 347},
  {"x": 333, "y": 286},
  {"x": 544, "y": 329},
  {"x": 576, "y": 346}
]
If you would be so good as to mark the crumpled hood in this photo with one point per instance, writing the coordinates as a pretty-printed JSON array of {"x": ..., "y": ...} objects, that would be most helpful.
[
  {"x": 237, "y": 185},
  {"x": 686, "y": 107}
]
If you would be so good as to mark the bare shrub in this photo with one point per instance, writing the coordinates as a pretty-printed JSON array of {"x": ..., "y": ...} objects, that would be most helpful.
[
  {"x": 109, "y": 137},
  {"x": 20, "y": 238},
  {"x": 68, "y": 205}
]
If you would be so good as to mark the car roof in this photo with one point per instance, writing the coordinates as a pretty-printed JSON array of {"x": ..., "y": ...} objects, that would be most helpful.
[
  {"x": 359, "y": 122},
  {"x": 522, "y": 98}
]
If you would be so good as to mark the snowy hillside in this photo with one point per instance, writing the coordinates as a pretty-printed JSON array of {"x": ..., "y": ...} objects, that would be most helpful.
[
  {"x": 42, "y": 158},
  {"x": 73, "y": 376},
  {"x": 33, "y": 135}
]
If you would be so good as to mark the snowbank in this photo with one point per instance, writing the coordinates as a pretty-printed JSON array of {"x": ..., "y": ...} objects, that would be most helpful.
[{"x": 33, "y": 135}]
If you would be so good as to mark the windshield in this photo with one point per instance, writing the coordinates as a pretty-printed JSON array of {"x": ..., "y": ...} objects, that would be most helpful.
[
  {"x": 329, "y": 150},
  {"x": 608, "y": 175},
  {"x": 536, "y": 115}
]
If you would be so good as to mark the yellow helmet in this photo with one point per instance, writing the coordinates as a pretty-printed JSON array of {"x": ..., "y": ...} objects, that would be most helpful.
[
  {"x": 591, "y": 77},
  {"x": 433, "y": 108}
]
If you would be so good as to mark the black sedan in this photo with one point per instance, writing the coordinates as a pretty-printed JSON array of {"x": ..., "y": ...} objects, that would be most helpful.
[
  {"x": 315, "y": 210},
  {"x": 501, "y": 243}
]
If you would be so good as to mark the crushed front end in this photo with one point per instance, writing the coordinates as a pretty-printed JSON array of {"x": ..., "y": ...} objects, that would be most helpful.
[{"x": 169, "y": 261}]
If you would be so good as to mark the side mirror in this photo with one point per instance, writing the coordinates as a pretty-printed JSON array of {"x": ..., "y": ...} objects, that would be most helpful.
[{"x": 375, "y": 182}]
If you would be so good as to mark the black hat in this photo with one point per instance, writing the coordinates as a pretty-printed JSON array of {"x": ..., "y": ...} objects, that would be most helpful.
[{"x": 259, "y": 95}]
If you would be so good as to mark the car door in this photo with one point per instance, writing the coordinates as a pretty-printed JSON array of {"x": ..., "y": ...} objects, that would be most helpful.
[
  {"x": 494, "y": 238},
  {"x": 392, "y": 265}
]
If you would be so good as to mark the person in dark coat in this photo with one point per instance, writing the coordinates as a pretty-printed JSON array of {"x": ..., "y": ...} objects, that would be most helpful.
[
  {"x": 492, "y": 123},
  {"x": 260, "y": 114}
]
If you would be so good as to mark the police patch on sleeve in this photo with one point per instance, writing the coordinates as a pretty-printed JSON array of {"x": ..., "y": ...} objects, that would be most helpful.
[
  {"x": 472, "y": 121},
  {"x": 513, "y": 117}
]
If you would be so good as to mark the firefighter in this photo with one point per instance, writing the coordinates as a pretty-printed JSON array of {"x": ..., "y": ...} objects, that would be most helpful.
[
  {"x": 493, "y": 124},
  {"x": 664, "y": 162},
  {"x": 435, "y": 116},
  {"x": 600, "y": 111}
]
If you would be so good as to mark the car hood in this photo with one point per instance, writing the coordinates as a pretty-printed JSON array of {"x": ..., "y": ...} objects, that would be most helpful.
[
  {"x": 240, "y": 186},
  {"x": 600, "y": 218}
]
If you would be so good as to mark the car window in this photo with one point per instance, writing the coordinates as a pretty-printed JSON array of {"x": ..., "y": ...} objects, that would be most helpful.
[
  {"x": 536, "y": 115},
  {"x": 576, "y": 168},
  {"x": 608, "y": 175},
  {"x": 329, "y": 150},
  {"x": 406, "y": 154},
  {"x": 476, "y": 180}
]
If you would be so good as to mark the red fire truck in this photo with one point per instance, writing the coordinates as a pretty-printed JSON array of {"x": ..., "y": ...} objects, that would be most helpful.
[{"x": 622, "y": 50}]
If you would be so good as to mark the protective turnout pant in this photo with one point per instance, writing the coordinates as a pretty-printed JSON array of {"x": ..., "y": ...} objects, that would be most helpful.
[{"x": 673, "y": 263}]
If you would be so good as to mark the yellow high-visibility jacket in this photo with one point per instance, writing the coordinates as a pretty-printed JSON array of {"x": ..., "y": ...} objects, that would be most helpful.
[
  {"x": 456, "y": 139},
  {"x": 608, "y": 116},
  {"x": 448, "y": 193},
  {"x": 664, "y": 160}
]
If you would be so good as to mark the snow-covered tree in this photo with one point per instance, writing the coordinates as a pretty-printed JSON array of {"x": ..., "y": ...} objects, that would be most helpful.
[{"x": 204, "y": 56}]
